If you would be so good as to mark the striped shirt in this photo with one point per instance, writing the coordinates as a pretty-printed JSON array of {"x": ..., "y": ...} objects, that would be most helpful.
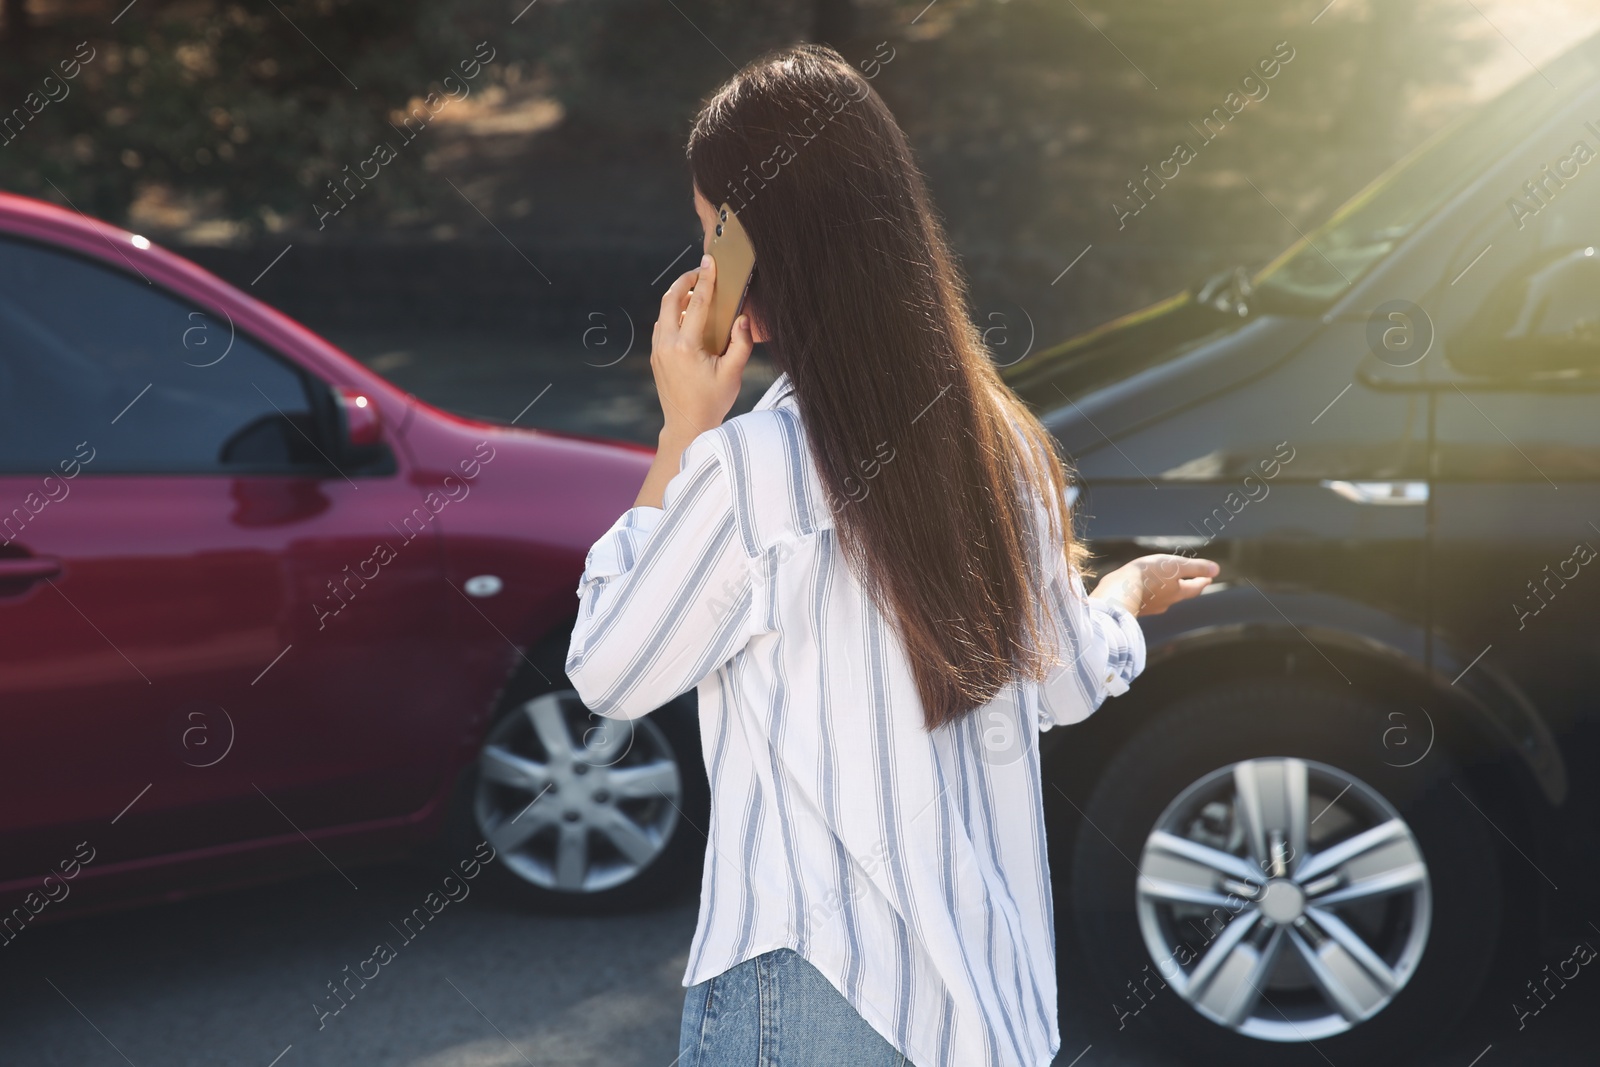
[{"x": 907, "y": 865}]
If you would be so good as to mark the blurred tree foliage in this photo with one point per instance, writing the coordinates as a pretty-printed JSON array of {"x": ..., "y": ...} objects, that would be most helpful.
[
  {"x": 1061, "y": 105},
  {"x": 249, "y": 108},
  {"x": 1030, "y": 115},
  {"x": 252, "y": 109}
]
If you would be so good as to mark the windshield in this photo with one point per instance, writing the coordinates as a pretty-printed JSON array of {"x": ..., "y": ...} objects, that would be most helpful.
[
  {"x": 1319, "y": 267},
  {"x": 1322, "y": 265}
]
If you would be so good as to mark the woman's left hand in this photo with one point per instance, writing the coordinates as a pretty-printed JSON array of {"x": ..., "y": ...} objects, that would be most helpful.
[
  {"x": 1150, "y": 585},
  {"x": 697, "y": 389}
]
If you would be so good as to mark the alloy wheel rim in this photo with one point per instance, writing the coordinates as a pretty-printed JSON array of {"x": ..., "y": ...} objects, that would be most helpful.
[
  {"x": 1284, "y": 899},
  {"x": 573, "y": 802}
]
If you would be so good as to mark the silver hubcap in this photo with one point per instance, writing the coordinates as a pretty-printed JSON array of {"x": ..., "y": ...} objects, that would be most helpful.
[
  {"x": 572, "y": 801},
  {"x": 1284, "y": 899}
]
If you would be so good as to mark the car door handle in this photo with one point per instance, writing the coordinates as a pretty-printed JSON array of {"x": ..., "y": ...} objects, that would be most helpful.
[
  {"x": 1385, "y": 493},
  {"x": 18, "y": 574}
]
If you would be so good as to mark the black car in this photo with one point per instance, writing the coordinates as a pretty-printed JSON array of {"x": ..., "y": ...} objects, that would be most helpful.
[{"x": 1355, "y": 765}]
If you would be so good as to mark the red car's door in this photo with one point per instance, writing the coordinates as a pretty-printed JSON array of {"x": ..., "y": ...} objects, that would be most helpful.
[{"x": 208, "y": 633}]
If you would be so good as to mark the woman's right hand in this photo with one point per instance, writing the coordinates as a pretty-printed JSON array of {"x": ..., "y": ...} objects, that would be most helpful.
[{"x": 1150, "y": 585}]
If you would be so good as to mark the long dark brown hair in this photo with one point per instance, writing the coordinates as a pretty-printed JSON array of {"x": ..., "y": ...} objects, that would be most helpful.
[{"x": 864, "y": 308}]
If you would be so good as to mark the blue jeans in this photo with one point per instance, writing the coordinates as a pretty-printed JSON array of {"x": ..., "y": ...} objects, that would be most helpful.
[{"x": 776, "y": 1010}]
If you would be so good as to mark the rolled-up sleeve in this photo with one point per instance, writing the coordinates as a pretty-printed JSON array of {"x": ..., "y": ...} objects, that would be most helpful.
[
  {"x": 666, "y": 593},
  {"x": 1100, "y": 651}
]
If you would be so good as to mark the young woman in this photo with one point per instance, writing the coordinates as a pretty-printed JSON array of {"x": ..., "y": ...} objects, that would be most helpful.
[{"x": 872, "y": 581}]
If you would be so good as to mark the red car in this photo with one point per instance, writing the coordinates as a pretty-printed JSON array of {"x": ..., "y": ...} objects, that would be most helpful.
[{"x": 262, "y": 613}]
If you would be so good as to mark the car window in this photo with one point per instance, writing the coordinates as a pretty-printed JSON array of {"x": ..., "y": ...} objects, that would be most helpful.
[
  {"x": 97, "y": 361},
  {"x": 1524, "y": 300},
  {"x": 1519, "y": 322}
]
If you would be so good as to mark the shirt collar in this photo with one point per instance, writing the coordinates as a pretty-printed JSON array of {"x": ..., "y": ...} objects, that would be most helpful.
[{"x": 779, "y": 394}]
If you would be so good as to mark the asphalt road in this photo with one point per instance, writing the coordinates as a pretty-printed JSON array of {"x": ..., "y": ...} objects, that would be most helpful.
[{"x": 237, "y": 979}]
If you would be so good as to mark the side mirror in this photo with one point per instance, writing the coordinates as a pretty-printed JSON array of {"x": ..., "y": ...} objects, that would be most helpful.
[
  {"x": 1542, "y": 325},
  {"x": 363, "y": 426},
  {"x": 361, "y": 445}
]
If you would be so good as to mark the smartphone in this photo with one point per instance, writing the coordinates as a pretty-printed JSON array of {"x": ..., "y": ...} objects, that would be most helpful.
[{"x": 735, "y": 259}]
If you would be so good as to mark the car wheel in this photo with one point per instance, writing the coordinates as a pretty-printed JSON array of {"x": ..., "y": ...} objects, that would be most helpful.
[
  {"x": 1260, "y": 877},
  {"x": 591, "y": 814}
]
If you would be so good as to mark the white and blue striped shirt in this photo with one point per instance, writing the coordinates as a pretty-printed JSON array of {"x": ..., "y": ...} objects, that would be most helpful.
[{"x": 907, "y": 866}]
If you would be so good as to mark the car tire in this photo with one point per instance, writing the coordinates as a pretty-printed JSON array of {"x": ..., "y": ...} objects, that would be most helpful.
[
  {"x": 1319, "y": 998},
  {"x": 629, "y": 800}
]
